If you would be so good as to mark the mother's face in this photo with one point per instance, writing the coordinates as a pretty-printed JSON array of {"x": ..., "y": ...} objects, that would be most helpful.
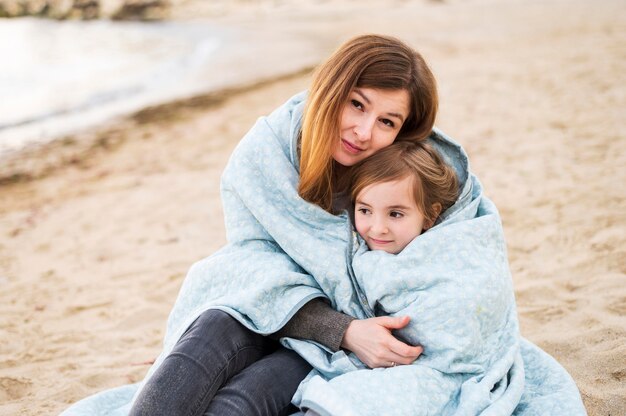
[{"x": 371, "y": 119}]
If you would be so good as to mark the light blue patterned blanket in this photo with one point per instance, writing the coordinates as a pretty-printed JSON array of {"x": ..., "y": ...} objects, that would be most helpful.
[{"x": 453, "y": 281}]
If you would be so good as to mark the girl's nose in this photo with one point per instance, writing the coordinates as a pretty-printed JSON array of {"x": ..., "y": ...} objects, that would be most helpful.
[{"x": 380, "y": 227}]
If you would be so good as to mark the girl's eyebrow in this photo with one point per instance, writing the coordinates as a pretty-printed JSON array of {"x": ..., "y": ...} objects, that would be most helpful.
[
  {"x": 367, "y": 100},
  {"x": 404, "y": 207}
]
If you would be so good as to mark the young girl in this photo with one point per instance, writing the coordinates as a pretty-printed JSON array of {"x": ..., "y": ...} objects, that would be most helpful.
[{"x": 399, "y": 192}]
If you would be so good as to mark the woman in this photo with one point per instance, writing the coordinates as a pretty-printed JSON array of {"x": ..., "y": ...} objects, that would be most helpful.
[{"x": 373, "y": 90}]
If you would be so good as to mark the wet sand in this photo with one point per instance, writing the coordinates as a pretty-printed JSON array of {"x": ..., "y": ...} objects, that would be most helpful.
[{"x": 96, "y": 241}]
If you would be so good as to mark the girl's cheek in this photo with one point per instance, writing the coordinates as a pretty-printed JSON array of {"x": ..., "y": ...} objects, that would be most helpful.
[{"x": 360, "y": 226}]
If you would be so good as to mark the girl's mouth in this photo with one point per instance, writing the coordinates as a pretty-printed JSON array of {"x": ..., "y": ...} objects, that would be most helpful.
[
  {"x": 350, "y": 148},
  {"x": 381, "y": 242}
]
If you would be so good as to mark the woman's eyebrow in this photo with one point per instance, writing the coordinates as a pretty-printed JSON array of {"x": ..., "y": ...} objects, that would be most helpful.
[
  {"x": 367, "y": 100},
  {"x": 396, "y": 115}
]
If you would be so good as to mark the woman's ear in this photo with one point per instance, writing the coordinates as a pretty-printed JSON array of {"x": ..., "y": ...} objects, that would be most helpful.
[{"x": 436, "y": 210}]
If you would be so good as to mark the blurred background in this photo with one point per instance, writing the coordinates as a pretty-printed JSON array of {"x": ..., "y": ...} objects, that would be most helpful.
[
  {"x": 118, "y": 116},
  {"x": 70, "y": 64}
]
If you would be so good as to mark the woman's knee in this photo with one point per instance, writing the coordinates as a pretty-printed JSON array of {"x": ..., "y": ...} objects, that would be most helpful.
[
  {"x": 217, "y": 328},
  {"x": 212, "y": 320},
  {"x": 214, "y": 348}
]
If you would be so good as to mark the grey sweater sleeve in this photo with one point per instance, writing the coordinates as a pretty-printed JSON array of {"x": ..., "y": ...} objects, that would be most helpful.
[{"x": 317, "y": 321}]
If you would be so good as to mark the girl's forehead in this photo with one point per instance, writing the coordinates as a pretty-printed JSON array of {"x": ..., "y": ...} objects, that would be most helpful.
[
  {"x": 388, "y": 192},
  {"x": 396, "y": 182}
]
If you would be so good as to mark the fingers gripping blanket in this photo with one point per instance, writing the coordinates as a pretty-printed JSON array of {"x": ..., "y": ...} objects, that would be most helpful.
[{"x": 453, "y": 281}]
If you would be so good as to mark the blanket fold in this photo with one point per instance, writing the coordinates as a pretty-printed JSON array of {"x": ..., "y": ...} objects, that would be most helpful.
[{"x": 453, "y": 281}]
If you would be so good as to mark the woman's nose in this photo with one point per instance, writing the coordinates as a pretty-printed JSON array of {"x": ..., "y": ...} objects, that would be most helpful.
[{"x": 363, "y": 129}]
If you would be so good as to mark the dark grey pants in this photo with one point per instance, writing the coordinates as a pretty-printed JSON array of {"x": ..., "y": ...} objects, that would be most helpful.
[{"x": 219, "y": 367}]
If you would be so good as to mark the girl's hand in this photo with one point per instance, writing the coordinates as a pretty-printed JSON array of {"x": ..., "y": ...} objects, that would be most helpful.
[{"x": 371, "y": 340}]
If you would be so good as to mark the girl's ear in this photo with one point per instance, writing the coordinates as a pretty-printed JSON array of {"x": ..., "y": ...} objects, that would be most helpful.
[{"x": 436, "y": 211}]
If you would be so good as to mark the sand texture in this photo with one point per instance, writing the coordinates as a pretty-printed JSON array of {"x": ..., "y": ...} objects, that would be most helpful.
[{"x": 94, "y": 249}]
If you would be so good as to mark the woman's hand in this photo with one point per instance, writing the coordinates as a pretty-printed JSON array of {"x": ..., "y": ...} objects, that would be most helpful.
[{"x": 371, "y": 340}]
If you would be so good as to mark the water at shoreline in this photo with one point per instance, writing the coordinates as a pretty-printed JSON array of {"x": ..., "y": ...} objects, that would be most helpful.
[
  {"x": 57, "y": 77},
  {"x": 60, "y": 77}
]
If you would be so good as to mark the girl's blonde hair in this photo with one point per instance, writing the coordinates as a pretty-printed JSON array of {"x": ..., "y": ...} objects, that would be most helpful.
[
  {"x": 369, "y": 61},
  {"x": 434, "y": 181}
]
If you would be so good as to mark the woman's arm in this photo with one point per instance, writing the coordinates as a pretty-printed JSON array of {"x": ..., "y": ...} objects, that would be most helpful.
[
  {"x": 370, "y": 339},
  {"x": 317, "y": 321}
]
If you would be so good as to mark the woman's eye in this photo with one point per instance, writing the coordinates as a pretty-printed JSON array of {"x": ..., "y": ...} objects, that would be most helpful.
[
  {"x": 396, "y": 214},
  {"x": 363, "y": 211},
  {"x": 388, "y": 122},
  {"x": 356, "y": 104}
]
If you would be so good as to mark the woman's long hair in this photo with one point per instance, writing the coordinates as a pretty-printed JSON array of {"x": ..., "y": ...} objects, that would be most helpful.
[{"x": 368, "y": 61}]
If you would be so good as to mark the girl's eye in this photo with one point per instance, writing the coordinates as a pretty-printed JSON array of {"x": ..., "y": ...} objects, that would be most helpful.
[
  {"x": 388, "y": 122},
  {"x": 357, "y": 104},
  {"x": 363, "y": 211},
  {"x": 396, "y": 214}
]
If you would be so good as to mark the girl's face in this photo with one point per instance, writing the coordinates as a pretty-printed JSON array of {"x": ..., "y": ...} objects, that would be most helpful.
[
  {"x": 387, "y": 217},
  {"x": 371, "y": 119}
]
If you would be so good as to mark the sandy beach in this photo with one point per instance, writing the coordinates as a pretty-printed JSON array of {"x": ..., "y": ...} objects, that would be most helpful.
[{"x": 98, "y": 230}]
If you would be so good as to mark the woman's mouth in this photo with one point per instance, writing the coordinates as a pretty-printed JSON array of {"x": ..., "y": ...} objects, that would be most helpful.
[{"x": 350, "y": 148}]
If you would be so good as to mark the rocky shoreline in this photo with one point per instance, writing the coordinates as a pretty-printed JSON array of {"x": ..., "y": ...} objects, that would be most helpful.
[{"x": 87, "y": 9}]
